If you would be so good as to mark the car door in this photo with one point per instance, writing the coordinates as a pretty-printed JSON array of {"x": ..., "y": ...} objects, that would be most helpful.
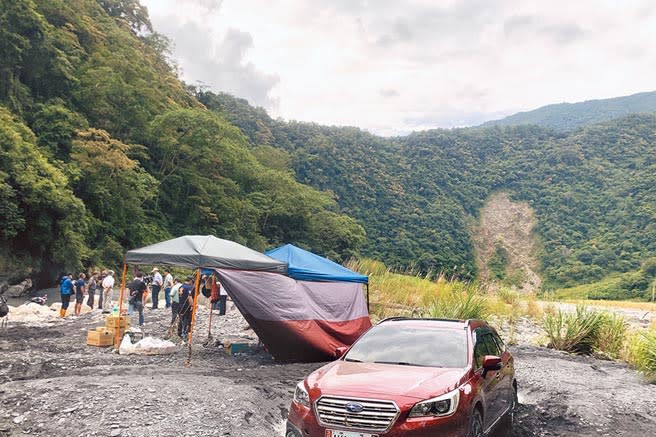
[
  {"x": 489, "y": 385},
  {"x": 506, "y": 375}
]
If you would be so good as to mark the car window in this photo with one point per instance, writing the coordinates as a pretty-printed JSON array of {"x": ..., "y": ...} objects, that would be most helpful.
[
  {"x": 484, "y": 345},
  {"x": 480, "y": 348},
  {"x": 411, "y": 345},
  {"x": 492, "y": 346},
  {"x": 499, "y": 342}
]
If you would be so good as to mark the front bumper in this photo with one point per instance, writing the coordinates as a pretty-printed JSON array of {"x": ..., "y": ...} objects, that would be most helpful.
[{"x": 303, "y": 423}]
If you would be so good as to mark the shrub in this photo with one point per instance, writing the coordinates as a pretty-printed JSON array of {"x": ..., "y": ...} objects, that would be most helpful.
[
  {"x": 508, "y": 295},
  {"x": 641, "y": 352},
  {"x": 612, "y": 334},
  {"x": 533, "y": 308},
  {"x": 459, "y": 303},
  {"x": 574, "y": 332},
  {"x": 498, "y": 261}
]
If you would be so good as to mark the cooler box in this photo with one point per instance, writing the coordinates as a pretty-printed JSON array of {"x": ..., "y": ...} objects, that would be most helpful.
[
  {"x": 112, "y": 322},
  {"x": 100, "y": 338}
]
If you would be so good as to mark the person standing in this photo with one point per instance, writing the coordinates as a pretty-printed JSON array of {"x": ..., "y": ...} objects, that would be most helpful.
[
  {"x": 175, "y": 299},
  {"x": 186, "y": 294},
  {"x": 214, "y": 295},
  {"x": 223, "y": 299},
  {"x": 155, "y": 287},
  {"x": 168, "y": 283},
  {"x": 65, "y": 290},
  {"x": 136, "y": 302},
  {"x": 80, "y": 291},
  {"x": 101, "y": 279},
  {"x": 108, "y": 289},
  {"x": 91, "y": 288}
]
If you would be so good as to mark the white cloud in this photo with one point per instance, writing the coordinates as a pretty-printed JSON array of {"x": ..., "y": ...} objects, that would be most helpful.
[{"x": 396, "y": 66}]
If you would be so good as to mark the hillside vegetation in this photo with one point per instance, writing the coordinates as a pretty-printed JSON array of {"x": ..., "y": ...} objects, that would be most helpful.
[
  {"x": 419, "y": 197},
  {"x": 104, "y": 149},
  {"x": 569, "y": 116}
]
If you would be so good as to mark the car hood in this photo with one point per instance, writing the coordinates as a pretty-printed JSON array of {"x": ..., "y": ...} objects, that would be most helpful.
[{"x": 363, "y": 379}]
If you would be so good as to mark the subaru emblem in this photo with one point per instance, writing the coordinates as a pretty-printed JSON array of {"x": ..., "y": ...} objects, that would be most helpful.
[{"x": 354, "y": 407}]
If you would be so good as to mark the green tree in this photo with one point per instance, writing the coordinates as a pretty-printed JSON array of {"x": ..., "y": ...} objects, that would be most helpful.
[{"x": 41, "y": 215}]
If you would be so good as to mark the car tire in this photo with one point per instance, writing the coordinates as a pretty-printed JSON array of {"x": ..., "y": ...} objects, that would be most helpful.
[
  {"x": 509, "y": 420},
  {"x": 291, "y": 431},
  {"x": 476, "y": 426}
]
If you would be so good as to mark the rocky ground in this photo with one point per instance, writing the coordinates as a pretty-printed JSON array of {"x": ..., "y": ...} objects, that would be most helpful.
[{"x": 53, "y": 384}]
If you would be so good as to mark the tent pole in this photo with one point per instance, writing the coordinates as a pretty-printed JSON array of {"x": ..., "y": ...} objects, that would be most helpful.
[
  {"x": 367, "y": 297},
  {"x": 120, "y": 305},
  {"x": 193, "y": 316}
]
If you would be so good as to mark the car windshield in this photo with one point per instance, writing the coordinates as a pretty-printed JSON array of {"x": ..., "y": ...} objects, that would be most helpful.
[{"x": 411, "y": 345}]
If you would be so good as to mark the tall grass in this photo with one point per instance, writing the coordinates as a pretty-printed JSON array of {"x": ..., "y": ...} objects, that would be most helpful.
[
  {"x": 586, "y": 331},
  {"x": 393, "y": 294},
  {"x": 459, "y": 303},
  {"x": 573, "y": 332},
  {"x": 508, "y": 295},
  {"x": 641, "y": 352},
  {"x": 612, "y": 335}
]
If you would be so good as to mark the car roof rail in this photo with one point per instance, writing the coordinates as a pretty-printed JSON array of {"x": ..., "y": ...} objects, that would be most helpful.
[{"x": 437, "y": 319}]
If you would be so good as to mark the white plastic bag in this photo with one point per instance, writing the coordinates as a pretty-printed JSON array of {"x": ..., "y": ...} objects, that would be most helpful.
[
  {"x": 126, "y": 347},
  {"x": 154, "y": 346}
]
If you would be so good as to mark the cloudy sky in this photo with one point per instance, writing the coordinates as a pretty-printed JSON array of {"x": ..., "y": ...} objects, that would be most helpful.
[{"x": 394, "y": 66}]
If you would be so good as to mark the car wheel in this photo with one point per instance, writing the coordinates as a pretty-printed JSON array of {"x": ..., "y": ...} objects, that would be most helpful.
[
  {"x": 509, "y": 420},
  {"x": 513, "y": 406},
  {"x": 476, "y": 428},
  {"x": 291, "y": 432}
]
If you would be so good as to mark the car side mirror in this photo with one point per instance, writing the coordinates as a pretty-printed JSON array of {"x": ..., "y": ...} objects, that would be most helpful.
[
  {"x": 340, "y": 351},
  {"x": 491, "y": 362}
]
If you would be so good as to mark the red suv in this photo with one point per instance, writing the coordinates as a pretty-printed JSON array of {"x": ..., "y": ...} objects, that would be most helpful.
[{"x": 411, "y": 377}]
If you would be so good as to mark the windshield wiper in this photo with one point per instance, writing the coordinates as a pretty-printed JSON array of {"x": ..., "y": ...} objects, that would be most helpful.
[
  {"x": 400, "y": 363},
  {"x": 353, "y": 360}
]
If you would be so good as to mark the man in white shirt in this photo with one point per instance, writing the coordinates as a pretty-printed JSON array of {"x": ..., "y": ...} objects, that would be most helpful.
[
  {"x": 155, "y": 287},
  {"x": 108, "y": 291},
  {"x": 168, "y": 283}
]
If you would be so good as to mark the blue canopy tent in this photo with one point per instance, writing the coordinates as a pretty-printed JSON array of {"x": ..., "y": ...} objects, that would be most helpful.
[{"x": 307, "y": 266}]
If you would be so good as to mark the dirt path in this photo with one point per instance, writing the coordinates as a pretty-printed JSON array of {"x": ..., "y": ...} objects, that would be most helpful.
[{"x": 52, "y": 384}]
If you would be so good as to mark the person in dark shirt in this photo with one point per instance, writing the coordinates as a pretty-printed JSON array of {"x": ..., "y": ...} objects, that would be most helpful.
[
  {"x": 80, "y": 291},
  {"x": 136, "y": 303},
  {"x": 92, "y": 285},
  {"x": 186, "y": 293}
]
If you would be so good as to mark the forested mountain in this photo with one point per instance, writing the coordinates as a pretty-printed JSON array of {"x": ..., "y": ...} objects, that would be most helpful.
[
  {"x": 104, "y": 149},
  {"x": 593, "y": 191},
  {"x": 568, "y": 116}
]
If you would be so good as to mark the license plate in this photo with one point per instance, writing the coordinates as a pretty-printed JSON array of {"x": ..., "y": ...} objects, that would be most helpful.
[{"x": 335, "y": 433}]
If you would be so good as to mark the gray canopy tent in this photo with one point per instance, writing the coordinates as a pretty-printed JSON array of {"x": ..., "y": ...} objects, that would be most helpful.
[{"x": 196, "y": 252}]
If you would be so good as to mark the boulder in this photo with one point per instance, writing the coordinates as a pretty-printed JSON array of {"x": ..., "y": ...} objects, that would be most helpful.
[{"x": 19, "y": 290}]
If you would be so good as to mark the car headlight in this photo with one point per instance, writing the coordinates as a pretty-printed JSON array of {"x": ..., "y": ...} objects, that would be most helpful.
[
  {"x": 440, "y": 406},
  {"x": 301, "y": 395}
]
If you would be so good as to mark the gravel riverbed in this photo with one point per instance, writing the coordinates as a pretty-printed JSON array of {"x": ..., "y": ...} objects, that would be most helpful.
[{"x": 53, "y": 384}]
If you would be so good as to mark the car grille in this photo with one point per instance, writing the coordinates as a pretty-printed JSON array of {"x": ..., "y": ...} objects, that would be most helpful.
[{"x": 377, "y": 416}]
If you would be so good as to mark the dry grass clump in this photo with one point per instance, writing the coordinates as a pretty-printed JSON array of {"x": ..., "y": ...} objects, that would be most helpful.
[
  {"x": 612, "y": 335},
  {"x": 586, "y": 331},
  {"x": 533, "y": 308},
  {"x": 641, "y": 352},
  {"x": 508, "y": 295},
  {"x": 463, "y": 302}
]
